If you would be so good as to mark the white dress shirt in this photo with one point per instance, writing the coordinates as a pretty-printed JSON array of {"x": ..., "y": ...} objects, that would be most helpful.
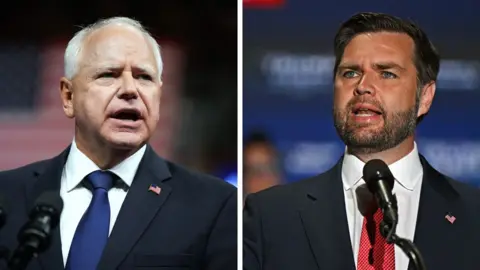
[
  {"x": 408, "y": 173},
  {"x": 76, "y": 198}
]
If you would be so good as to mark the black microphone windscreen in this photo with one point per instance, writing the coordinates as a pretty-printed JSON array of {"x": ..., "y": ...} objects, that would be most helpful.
[
  {"x": 50, "y": 198},
  {"x": 375, "y": 170}
]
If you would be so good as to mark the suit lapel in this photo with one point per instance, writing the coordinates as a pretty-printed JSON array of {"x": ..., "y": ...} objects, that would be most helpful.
[
  {"x": 49, "y": 180},
  {"x": 437, "y": 199},
  {"x": 325, "y": 221},
  {"x": 138, "y": 210}
]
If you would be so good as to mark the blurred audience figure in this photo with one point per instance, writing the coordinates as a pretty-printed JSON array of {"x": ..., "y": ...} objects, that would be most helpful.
[{"x": 261, "y": 163}]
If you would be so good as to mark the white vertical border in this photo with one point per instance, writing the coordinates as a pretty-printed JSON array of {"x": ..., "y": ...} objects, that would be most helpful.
[{"x": 240, "y": 134}]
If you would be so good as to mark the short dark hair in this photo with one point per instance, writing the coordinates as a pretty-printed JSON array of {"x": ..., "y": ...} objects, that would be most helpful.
[{"x": 426, "y": 57}]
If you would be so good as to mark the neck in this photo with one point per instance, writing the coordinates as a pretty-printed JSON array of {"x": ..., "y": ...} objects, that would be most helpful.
[
  {"x": 102, "y": 154},
  {"x": 389, "y": 156}
]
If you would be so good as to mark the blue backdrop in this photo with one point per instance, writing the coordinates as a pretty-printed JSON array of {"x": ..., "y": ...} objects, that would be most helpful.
[{"x": 288, "y": 74}]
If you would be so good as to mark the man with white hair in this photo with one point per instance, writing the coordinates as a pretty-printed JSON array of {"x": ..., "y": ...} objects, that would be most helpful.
[{"x": 124, "y": 206}]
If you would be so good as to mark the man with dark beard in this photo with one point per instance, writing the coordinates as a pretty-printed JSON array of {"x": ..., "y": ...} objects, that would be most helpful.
[{"x": 384, "y": 83}]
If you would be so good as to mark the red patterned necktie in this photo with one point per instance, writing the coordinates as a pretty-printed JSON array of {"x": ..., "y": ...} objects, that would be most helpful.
[{"x": 374, "y": 252}]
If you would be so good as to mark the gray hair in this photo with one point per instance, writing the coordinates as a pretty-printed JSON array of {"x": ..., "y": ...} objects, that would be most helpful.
[{"x": 75, "y": 45}]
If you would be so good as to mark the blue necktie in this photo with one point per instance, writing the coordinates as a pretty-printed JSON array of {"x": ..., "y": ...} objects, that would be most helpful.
[{"x": 92, "y": 232}]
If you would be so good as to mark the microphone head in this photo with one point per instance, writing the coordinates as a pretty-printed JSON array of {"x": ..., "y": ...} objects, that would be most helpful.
[
  {"x": 375, "y": 170},
  {"x": 35, "y": 236},
  {"x": 49, "y": 201},
  {"x": 50, "y": 198}
]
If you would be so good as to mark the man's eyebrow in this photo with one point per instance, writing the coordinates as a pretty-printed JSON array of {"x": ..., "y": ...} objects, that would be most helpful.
[
  {"x": 378, "y": 66},
  {"x": 113, "y": 67},
  {"x": 144, "y": 68},
  {"x": 387, "y": 65},
  {"x": 348, "y": 65}
]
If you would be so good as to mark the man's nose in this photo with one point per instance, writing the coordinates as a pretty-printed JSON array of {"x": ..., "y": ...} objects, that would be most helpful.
[
  {"x": 365, "y": 85},
  {"x": 128, "y": 89}
]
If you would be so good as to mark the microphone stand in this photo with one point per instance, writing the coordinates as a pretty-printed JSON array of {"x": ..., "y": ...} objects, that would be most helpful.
[{"x": 387, "y": 229}]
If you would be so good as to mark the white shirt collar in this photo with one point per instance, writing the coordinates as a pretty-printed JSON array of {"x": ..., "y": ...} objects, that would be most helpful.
[
  {"x": 78, "y": 166},
  {"x": 405, "y": 170}
]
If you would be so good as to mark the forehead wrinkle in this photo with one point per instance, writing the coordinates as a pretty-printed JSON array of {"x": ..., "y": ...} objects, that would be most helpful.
[
  {"x": 146, "y": 67},
  {"x": 393, "y": 50},
  {"x": 95, "y": 55}
]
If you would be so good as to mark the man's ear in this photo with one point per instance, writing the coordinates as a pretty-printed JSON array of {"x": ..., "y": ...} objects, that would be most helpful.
[
  {"x": 66, "y": 94},
  {"x": 426, "y": 98}
]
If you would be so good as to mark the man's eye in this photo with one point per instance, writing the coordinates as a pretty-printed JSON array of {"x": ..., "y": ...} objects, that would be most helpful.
[
  {"x": 145, "y": 77},
  {"x": 388, "y": 75},
  {"x": 350, "y": 74},
  {"x": 106, "y": 75}
]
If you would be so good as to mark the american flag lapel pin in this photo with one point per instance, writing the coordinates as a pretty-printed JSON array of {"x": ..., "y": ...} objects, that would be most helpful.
[
  {"x": 155, "y": 189},
  {"x": 450, "y": 218}
]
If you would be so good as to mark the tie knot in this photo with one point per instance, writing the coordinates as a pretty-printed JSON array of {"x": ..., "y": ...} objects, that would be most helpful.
[{"x": 101, "y": 179}]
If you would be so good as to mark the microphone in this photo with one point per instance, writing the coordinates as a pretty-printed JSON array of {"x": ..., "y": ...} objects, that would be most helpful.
[
  {"x": 380, "y": 180},
  {"x": 35, "y": 235}
]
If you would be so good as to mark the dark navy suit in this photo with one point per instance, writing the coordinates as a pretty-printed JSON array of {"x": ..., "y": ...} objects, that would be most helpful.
[
  {"x": 191, "y": 224},
  {"x": 304, "y": 225}
]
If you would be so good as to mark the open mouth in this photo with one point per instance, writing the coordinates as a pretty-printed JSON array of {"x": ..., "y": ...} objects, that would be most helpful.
[
  {"x": 366, "y": 110},
  {"x": 127, "y": 115}
]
